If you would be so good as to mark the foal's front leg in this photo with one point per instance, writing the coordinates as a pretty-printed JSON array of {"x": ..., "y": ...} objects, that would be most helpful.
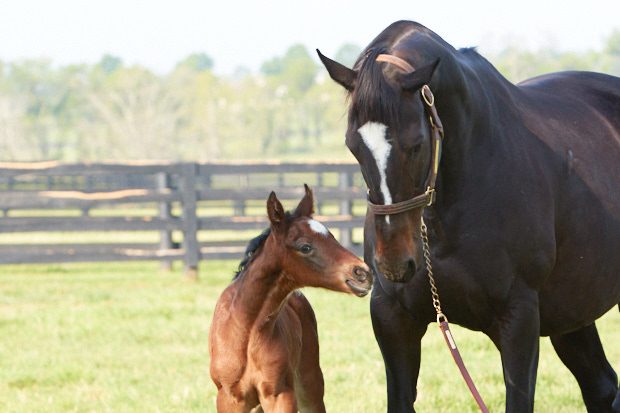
[
  {"x": 516, "y": 334},
  {"x": 283, "y": 402},
  {"x": 278, "y": 396},
  {"x": 226, "y": 402}
]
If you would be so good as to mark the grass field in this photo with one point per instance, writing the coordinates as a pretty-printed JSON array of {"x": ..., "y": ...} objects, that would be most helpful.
[{"x": 125, "y": 337}]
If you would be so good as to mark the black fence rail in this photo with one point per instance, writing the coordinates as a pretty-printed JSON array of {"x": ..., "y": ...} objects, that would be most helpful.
[{"x": 161, "y": 211}]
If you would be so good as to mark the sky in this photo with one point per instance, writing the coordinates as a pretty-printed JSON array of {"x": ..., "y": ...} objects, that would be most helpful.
[{"x": 235, "y": 33}]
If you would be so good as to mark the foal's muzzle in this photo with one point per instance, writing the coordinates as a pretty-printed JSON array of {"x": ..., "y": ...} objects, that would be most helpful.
[{"x": 360, "y": 282}]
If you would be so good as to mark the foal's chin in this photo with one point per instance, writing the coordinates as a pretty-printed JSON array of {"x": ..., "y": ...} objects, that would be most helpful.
[
  {"x": 358, "y": 288},
  {"x": 356, "y": 280}
]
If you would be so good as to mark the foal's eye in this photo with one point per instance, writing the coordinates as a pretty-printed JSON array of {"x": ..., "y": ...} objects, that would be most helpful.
[{"x": 305, "y": 249}]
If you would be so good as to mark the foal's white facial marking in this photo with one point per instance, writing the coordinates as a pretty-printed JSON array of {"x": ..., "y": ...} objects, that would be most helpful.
[
  {"x": 317, "y": 227},
  {"x": 374, "y": 136}
]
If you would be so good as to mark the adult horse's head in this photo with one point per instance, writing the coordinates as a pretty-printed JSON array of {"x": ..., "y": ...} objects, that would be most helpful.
[{"x": 390, "y": 134}]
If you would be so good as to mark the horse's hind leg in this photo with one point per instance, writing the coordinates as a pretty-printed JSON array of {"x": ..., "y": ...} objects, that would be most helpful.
[{"x": 581, "y": 351}]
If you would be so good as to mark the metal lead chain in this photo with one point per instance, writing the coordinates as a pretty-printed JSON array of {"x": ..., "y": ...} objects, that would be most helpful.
[{"x": 429, "y": 269}]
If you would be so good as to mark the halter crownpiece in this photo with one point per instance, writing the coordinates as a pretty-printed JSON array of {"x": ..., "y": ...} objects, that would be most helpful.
[
  {"x": 428, "y": 197},
  {"x": 396, "y": 61}
]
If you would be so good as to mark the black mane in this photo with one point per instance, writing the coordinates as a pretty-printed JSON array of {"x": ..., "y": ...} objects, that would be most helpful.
[
  {"x": 250, "y": 250},
  {"x": 375, "y": 98}
]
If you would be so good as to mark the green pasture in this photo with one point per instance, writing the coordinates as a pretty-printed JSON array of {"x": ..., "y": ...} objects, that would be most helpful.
[{"x": 126, "y": 337}]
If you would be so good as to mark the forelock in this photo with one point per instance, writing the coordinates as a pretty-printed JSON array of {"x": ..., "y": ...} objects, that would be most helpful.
[{"x": 375, "y": 98}]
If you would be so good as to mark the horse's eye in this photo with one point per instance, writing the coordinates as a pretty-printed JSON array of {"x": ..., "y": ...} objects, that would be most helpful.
[{"x": 305, "y": 249}]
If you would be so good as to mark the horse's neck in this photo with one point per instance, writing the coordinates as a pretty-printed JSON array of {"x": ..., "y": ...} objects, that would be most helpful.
[
  {"x": 476, "y": 147},
  {"x": 470, "y": 111},
  {"x": 261, "y": 292}
]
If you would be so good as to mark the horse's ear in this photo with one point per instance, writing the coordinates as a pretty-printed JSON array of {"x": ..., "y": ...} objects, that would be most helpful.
[
  {"x": 419, "y": 77},
  {"x": 306, "y": 205},
  {"x": 275, "y": 211},
  {"x": 340, "y": 73}
]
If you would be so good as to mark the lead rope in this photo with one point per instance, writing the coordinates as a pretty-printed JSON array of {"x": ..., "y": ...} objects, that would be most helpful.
[{"x": 442, "y": 320}]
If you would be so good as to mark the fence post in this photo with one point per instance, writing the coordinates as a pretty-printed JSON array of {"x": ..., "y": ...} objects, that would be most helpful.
[
  {"x": 345, "y": 181},
  {"x": 190, "y": 219},
  {"x": 165, "y": 213},
  {"x": 319, "y": 184},
  {"x": 239, "y": 205}
]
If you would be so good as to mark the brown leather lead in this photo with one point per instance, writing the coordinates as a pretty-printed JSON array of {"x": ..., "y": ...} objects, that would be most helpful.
[{"x": 447, "y": 335}]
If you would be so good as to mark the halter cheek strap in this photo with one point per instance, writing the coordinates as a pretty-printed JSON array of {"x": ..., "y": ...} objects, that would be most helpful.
[{"x": 428, "y": 197}]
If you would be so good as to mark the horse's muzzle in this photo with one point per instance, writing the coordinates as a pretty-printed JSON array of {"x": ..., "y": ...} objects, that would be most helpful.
[
  {"x": 398, "y": 272},
  {"x": 360, "y": 282}
]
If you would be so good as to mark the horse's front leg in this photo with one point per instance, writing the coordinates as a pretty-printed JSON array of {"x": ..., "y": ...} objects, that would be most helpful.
[
  {"x": 516, "y": 334},
  {"x": 399, "y": 337}
]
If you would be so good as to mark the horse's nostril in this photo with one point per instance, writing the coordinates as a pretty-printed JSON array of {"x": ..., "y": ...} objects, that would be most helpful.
[
  {"x": 411, "y": 266},
  {"x": 360, "y": 273}
]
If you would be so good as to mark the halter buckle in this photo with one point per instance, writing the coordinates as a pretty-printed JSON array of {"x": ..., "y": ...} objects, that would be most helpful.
[
  {"x": 430, "y": 99},
  {"x": 430, "y": 193}
]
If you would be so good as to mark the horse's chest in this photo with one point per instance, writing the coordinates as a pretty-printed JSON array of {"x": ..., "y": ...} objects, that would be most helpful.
[{"x": 467, "y": 292}]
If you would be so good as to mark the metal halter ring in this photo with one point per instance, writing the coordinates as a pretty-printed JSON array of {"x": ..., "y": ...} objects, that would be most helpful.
[{"x": 429, "y": 101}]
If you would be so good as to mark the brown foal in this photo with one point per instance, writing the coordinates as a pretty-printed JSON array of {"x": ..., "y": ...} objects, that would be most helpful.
[{"x": 263, "y": 340}]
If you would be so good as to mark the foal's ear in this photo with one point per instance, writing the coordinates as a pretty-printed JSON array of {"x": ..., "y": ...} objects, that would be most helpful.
[
  {"x": 339, "y": 72},
  {"x": 275, "y": 211},
  {"x": 306, "y": 205},
  {"x": 419, "y": 77}
]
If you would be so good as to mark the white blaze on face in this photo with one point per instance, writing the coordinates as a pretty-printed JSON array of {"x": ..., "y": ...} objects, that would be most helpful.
[
  {"x": 374, "y": 136},
  {"x": 317, "y": 227}
]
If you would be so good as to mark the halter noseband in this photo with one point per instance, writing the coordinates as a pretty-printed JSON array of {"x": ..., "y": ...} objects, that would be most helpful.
[{"x": 428, "y": 197}]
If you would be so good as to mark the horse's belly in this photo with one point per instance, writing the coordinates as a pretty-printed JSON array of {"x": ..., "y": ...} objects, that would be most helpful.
[{"x": 585, "y": 282}]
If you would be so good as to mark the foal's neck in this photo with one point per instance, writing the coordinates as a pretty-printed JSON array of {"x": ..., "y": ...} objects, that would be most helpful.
[{"x": 261, "y": 291}]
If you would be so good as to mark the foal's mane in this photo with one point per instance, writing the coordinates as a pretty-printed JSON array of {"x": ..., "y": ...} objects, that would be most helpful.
[
  {"x": 256, "y": 243},
  {"x": 250, "y": 251}
]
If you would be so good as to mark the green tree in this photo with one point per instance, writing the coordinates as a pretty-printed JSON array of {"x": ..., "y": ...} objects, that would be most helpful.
[
  {"x": 198, "y": 62},
  {"x": 296, "y": 70},
  {"x": 612, "y": 46},
  {"x": 109, "y": 63},
  {"x": 347, "y": 54},
  {"x": 42, "y": 102}
]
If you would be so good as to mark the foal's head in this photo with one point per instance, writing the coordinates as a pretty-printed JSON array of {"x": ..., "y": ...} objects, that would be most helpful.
[{"x": 307, "y": 254}]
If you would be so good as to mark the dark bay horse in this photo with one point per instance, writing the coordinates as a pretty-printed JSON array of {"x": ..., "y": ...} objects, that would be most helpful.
[
  {"x": 263, "y": 340},
  {"x": 525, "y": 225}
]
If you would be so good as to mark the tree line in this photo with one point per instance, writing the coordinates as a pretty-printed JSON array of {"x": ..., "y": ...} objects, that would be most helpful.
[{"x": 289, "y": 109}]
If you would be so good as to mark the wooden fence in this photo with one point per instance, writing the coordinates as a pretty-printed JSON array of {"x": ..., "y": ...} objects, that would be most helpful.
[{"x": 188, "y": 212}]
